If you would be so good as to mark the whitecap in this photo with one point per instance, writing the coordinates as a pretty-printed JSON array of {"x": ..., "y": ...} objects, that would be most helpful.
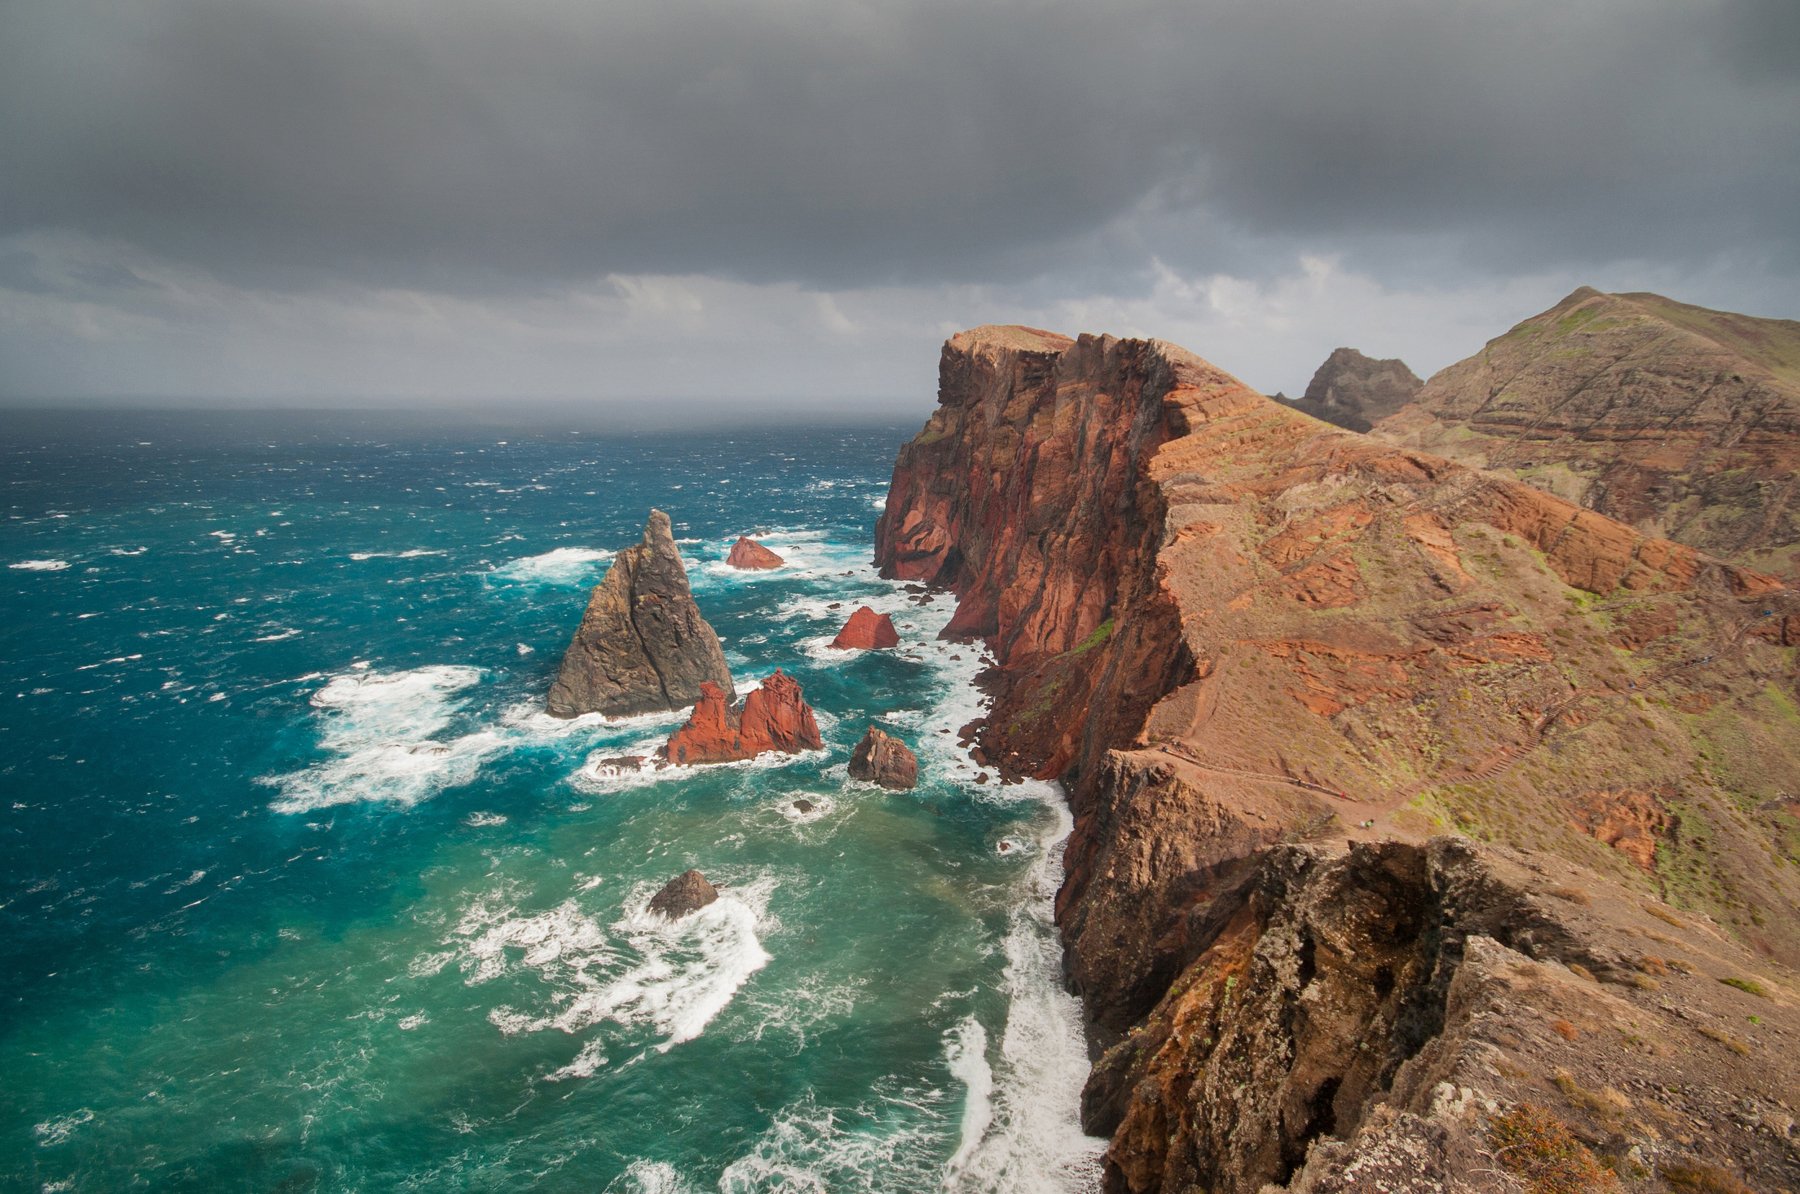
[
  {"x": 39, "y": 565},
  {"x": 382, "y": 732},
  {"x": 413, "y": 553},
  {"x": 966, "y": 1053},
  {"x": 672, "y": 977},
  {"x": 129, "y": 551},
  {"x": 650, "y": 1177},
  {"x": 481, "y": 820},
  {"x": 57, "y": 1129},
  {"x": 561, "y": 566}
]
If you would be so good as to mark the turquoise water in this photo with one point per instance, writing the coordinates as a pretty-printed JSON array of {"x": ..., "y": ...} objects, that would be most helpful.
[{"x": 299, "y": 890}]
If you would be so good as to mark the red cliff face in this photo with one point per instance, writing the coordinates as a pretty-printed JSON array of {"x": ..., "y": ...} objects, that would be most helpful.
[
  {"x": 774, "y": 717},
  {"x": 1226, "y": 626},
  {"x": 867, "y": 631},
  {"x": 752, "y": 556}
]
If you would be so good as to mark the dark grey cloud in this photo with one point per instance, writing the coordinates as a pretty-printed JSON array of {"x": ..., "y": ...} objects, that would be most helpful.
[{"x": 478, "y": 147}]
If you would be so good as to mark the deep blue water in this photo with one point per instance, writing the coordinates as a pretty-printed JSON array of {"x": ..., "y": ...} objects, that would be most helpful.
[{"x": 299, "y": 890}]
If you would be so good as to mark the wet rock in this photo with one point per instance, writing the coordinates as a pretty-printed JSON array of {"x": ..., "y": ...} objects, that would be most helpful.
[
  {"x": 804, "y": 806},
  {"x": 642, "y": 645},
  {"x": 884, "y": 760},
  {"x": 752, "y": 556},
  {"x": 775, "y": 717},
  {"x": 685, "y": 893},
  {"x": 867, "y": 631}
]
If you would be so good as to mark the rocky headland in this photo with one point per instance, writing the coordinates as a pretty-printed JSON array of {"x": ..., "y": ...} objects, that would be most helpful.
[
  {"x": 752, "y": 556},
  {"x": 773, "y": 717},
  {"x": 642, "y": 646},
  {"x": 1415, "y": 807},
  {"x": 1681, "y": 421}
]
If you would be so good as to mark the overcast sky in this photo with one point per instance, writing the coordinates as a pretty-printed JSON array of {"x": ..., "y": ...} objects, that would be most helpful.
[{"x": 387, "y": 202}]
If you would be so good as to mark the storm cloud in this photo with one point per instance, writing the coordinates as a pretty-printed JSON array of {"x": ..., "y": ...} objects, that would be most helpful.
[{"x": 886, "y": 167}]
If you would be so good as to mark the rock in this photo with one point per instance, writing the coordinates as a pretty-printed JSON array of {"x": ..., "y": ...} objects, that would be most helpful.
[
  {"x": 884, "y": 760},
  {"x": 1227, "y": 627},
  {"x": 752, "y": 556},
  {"x": 804, "y": 806},
  {"x": 1674, "y": 419},
  {"x": 1355, "y": 392},
  {"x": 642, "y": 645},
  {"x": 774, "y": 717},
  {"x": 867, "y": 631},
  {"x": 685, "y": 893}
]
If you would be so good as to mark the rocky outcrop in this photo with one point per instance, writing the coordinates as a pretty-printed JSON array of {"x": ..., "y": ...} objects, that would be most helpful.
[
  {"x": 1355, "y": 392},
  {"x": 884, "y": 760},
  {"x": 1228, "y": 628},
  {"x": 685, "y": 893},
  {"x": 1674, "y": 419},
  {"x": 867, "y": 630},
  {"x": 642, "y": 645},
  {"x": 774, "y": 717},
  {"x": 752, "y": 556}
]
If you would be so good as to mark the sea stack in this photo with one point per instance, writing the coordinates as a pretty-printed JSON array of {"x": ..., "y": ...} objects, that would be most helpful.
[
  {"x": 884, "y": 760},
  {"x": 642, "y": 646},
  {"x": 867, "y": 631},
  {"x": 774, "y": 717},
  {"x": 685, "y": 893},
  {"x": 752, "y": 556}
]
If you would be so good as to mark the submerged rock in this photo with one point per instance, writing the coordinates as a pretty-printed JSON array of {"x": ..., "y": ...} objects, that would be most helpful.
[
  {"x": 774, "y": 717},
  {"x": 642, "y": 645},
  {"x": 867, "y": 631},
  {"x": 750, "y": 555},
  {"x": 884, "y": 760},
  {"x": 685, "y": 893}
]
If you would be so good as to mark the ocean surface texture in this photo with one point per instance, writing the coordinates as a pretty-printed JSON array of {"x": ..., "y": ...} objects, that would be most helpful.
[{"x": 300, "y": 889}]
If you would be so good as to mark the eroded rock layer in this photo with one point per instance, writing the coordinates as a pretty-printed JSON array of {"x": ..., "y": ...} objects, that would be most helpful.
[
  {"x": 642, "y": 645},
  {"x": 752, "y": 556},
  {"x": 1678, "y": 420},
  {"x": 1229, "y": 628},
  {"x": 866, "y": 630}
]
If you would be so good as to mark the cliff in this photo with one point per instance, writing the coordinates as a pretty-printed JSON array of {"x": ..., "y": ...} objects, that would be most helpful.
[
  {"x": 1678, "y": 420},
  {"x": 1230, "y": 629},
  {"x": 642, "y": 645}
]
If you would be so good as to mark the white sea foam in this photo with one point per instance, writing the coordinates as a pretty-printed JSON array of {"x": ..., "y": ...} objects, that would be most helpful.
[
  {"x": 278, "y": 636},
  {"x": 413, "y": 553},
  {"x": 966, "y": 1053},
  {"x": 129, "y": 551},
  {"x": 384, "y": 734},
  {"x": 650, "y": 1177},
  {"x": 561, "y": 566},
  {"x": 482, "y": 820},
  {"x": 39, "y": 565},
  {"x": 809, "y": 1149},
  {"x": 1032, "y": 1137},
  {"x": 672, "y": 977},
  {"x": 57, "y": 1129}
]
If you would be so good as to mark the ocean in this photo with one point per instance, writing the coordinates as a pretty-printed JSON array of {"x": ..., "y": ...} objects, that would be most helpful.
[{"x": 301, "y": 890}]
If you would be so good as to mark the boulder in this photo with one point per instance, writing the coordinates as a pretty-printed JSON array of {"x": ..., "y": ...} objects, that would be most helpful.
[
  {"x": 867, "y": 631},
  {"x": 750, "y": 555},
  {"x": 642, "y": 645},
  {"x": 884, "y": 760},
  {"x": 685, "y": 893},
  {"x": 774, "y": 717}
]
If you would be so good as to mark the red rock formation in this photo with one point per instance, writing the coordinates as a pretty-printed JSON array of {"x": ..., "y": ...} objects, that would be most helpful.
[
  {"x": 752, "y": 556},
  {"x": 1224, "y": 625},
  {"x": 867, "y": 631},
  {"x": 774, "y": 717}
]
